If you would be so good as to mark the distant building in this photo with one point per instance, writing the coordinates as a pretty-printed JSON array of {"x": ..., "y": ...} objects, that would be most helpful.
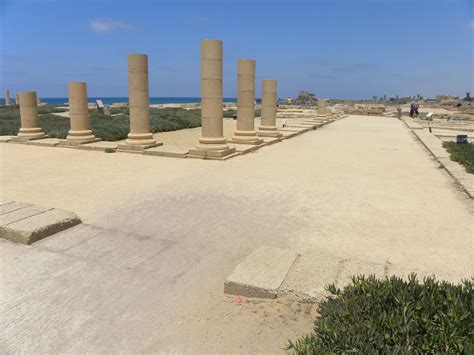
[
  {"x": 446, "y": 97},
  {"x": 306, "y": 98}
]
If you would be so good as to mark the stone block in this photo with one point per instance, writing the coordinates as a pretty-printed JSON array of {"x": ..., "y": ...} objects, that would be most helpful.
[
  {"x": 46, "y": 142},
  {"x": 246, "y": 148},
  {"x": 22, "y": 213},
  {"x": 271, "y": 140},
  {"x": 135, "y": 148},
  {"x": 261, "y": 273},
  {"x": 309, "y": 276},
  {"x": 9, "y": 206},
  {"x": 167, "y": 151},
  {"x": 35, "y": 227},
  {"x": 102, "y": 146},
  {"x": 5, "y": 139}
]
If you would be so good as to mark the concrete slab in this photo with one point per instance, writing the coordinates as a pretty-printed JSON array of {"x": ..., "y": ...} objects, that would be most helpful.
[
  {"x": 261, "y": 273},
  {"x": 38, "y": 226},
  {"x": 167, "y": 151},
  {"x": 309, "y": 276},
  {"x": 102, "y": 146},
  {"x": 5, "y": 139},
  {"x": 46, "y": 142}
]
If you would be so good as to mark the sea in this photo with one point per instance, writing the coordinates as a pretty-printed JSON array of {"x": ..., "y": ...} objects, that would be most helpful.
[{"x": 153, "y": 100}]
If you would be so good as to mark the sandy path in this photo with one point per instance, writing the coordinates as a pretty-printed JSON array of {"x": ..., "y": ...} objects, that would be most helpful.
[{"x": 361, "y": 187}]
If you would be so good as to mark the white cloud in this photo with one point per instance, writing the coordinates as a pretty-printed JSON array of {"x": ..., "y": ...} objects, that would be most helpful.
[{"x": 102, "y": 26}]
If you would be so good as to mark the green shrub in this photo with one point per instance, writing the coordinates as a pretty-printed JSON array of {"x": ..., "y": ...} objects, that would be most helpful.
[
  {"x": 107, "y": 127},
  {"x": 461, "y": 153},
  {"x": 230, "y": 113},
  {"x": 392, "y": 316},
  {"x": 50, "y": 109}
]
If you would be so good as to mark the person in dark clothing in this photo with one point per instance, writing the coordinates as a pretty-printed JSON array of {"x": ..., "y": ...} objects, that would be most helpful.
[{"x": 414, "y": 109}]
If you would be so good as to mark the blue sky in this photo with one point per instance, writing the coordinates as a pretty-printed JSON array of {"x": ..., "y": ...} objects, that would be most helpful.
[{"x": 337, "y": 49}]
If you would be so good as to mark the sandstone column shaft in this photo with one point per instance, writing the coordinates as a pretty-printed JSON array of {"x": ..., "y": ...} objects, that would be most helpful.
[
  {"x": 79, "y": 113},
  {"x": 139, "y": 101},
  {"x": 7, "y": 98},
  {"x": 269, "y": 105},
  {"x": 245, "y": 132},
  {"x": 29, "y": 116},
  {"x": 321, "y": 106},
  {"x": 211, "y": 97}
]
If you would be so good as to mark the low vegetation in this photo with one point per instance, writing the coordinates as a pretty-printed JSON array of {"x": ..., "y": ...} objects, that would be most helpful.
[
  {"x": 461, "y": 153},
  {"x": 392, "y": 316},
  {"x": 112, "y": 127}
]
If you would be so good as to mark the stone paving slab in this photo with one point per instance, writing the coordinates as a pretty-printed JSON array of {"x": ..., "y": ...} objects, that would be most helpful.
[
  {"x": 22, "y": 213},
  {"x": 27, "y": 224},
  {"x": 103, "y": 145},
  {"x": 5, "y": 139},
  {"x": 9, "y": 206},
  {"x": 289, "y": 134},
  {"x": 168, "y": 151},
  {"x": 46, "y": 142},
  {"x": 305, "y": 278},
  {"x": 309, "y": 276},
  {"x": 245, "y": 148},
  {"x": 271, "y": 140},
  {"x": 261, "y": 273}
]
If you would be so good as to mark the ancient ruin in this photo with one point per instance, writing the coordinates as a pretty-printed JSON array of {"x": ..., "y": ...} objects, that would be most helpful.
[
  {"x": 268, "y": 126},
  {"x": 245, "y": 132},
  {"x": 140, "y": 136},
  {"x": 212, "y": 144},
  {"x": 30, "y": 129},
  {"x": 79, "y": 115},
  {"x": 7, "y": 98}
]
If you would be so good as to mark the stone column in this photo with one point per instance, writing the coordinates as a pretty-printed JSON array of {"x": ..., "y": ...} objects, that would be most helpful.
[
  {"x": 29, "y": 118},
  {"x": 140, "y": 136},
  {"x": 322, "y": 107},
  {"x": 7, "y": 98},
  {"x": 212, "y": 144},
  {"x": 245, "y": 132},
  {"x": 268, "y": 126},
  {"x": 17, "y": 99},
  {"x": 79, "y": 115}
]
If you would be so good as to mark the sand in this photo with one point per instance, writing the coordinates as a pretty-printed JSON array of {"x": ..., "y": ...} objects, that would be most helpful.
[{"x": 359, "y": 188}]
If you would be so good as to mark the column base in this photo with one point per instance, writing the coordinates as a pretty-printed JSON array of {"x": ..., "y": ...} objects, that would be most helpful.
[
  {"x": 213, "y": 154},
  {"x": 245, "y": 137},
  {"x": 269, "y": 131},
  {"x": 29, "y": 134}
]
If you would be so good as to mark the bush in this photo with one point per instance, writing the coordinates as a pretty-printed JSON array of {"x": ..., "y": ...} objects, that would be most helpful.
[
  {"x": 461, "y": 153},
  {"x": 231, "y": 112},
  {"x": 392, "y": 316},
  {"x": 107, "y": 127}
]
